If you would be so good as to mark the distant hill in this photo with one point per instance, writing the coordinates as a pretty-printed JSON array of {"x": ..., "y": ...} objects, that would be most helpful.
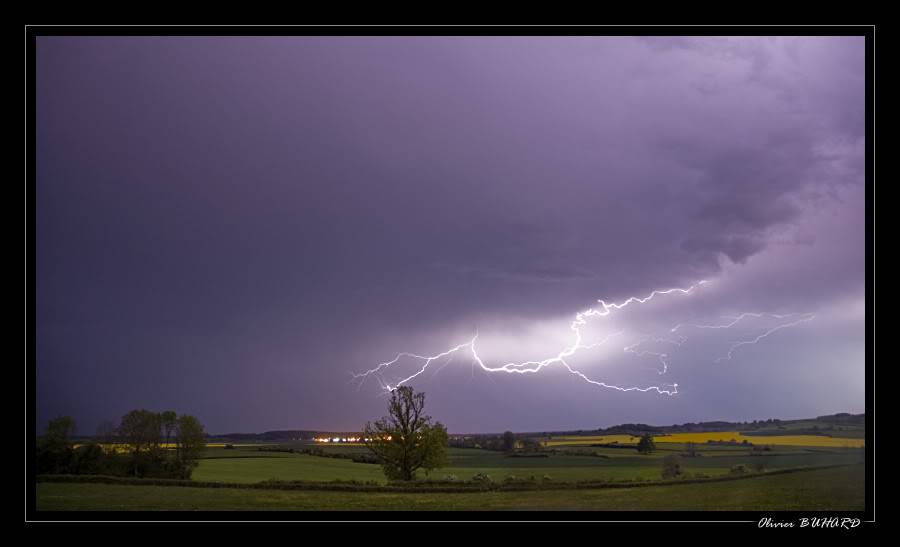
[
  {"x": 841, "y": 424},
  {"x": 843, "y": 418}
]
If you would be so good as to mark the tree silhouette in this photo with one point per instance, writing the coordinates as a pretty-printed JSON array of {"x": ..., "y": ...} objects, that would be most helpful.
[{"x": 406, "y": 439}]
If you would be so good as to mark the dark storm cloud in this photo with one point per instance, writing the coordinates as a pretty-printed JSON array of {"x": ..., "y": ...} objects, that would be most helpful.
[
  {"x": 736, "y": 248},
  {"x": 253, "y": 218}
]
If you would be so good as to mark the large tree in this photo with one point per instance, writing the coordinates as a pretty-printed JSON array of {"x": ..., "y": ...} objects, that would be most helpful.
[
  {"x": 140, "y": 429},
  {"x": 61, "y": 428},
  {"x": 54, "y": 450},
  {"x": 509, "y": 441},
  {"x": 190, "y": 439},
  {"x": 406, "y": 439},
  {"x": 107, "y": 432},
  {"x": 672, "y": 466},
  {"x": 646, "y": 444},
  {"x": 169, "y": 421}
]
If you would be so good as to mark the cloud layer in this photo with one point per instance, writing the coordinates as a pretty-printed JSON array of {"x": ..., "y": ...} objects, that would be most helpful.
[{"x": 230, "y": 226}]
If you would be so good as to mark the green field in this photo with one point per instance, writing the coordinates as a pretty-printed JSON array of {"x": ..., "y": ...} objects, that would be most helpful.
[
  {"x": 250, "y": 465},
  {"x": 838, "y": 489},
  {"x": 284, "y": 467}
]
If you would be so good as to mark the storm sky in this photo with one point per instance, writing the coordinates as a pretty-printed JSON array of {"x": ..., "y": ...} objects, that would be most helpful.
[{"x": 231, "y": 227}]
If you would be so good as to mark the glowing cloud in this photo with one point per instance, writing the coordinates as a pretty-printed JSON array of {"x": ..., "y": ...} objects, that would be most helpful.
[{"x": 581, "y": 319}]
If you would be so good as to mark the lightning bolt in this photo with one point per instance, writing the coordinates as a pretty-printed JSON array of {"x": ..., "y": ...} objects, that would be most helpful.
[
  {"x": 662, "y": 357},
  {"x": 581, "y": 319},
  {"x": 735, "y": 320},
  {"x": 531, "y": 367},
  {"x": 805, "y": 317}
]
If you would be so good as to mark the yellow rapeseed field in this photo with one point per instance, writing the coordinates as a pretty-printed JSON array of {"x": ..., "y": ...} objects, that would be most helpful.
[
  {"x": 792, "y": 440},
  {"x": 115, "y": 448}
]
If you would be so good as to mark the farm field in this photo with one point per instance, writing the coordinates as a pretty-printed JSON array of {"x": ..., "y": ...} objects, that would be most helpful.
[
  {"x": 838, "y": 489},
  {"x": 807, "y": 483},
  {"x": 780, "y": 440},
  {"x": 250, "y": 465},
  {"x": 284, "y": 466}
]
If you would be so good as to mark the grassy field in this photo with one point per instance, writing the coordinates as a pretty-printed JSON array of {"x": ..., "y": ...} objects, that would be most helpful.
[
  {"x": 248, "y": 465},
  {"x": 285, "y": 467},
  {"x": 567, "y": 459},
  {"x": 839, "y": 489}
]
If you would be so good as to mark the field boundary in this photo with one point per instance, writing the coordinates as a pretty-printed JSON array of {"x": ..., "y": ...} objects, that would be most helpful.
[{"x": 423, "y": 487}]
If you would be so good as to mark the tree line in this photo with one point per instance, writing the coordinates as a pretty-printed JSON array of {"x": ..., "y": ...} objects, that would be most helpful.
[
  {"x": 507, "y": 442},
  {"x": 143, "y": 444}
]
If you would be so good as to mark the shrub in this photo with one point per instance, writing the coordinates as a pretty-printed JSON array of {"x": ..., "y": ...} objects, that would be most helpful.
[
  {"x": 672, "y": 466},
  {"x": 759, "y": 465},
  {"x": 88, "y": 459},
  {"x": 365, "y": 458},
  {"x": 691, "y": 450},
  {"x": 738, "y": 469},
  {"x": 482, "y": 478},
  {"x": 646, "y": 444}
]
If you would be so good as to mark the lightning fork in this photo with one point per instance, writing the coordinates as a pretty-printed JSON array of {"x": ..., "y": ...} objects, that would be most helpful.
[{"x": 530, "y": 367}]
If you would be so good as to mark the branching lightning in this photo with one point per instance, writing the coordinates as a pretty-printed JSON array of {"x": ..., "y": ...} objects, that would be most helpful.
[
  {"x": 530, "y": 367},
  {"x": 735, "y": 320},
  {"x": 561, "y": 358},
  {"x": 805, "y": 317},
  {"x": 662, "y": 357}
]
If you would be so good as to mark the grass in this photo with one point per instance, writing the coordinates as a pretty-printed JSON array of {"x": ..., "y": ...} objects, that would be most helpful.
[
  {"x": 250, "y": 465},
  {"x": 284, "y": 466},
  {"x": 838, "y": 489}
]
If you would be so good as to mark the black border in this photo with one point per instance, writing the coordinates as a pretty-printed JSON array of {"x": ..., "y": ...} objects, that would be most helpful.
[{"x": 748, "y": 518}]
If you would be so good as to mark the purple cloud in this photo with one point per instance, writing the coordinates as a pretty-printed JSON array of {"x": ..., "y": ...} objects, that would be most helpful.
[{"x": 230, "y": 226}]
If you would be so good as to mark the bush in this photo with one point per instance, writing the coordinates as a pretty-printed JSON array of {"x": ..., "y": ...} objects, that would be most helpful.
[
  {"x": 451, "y": 478},
  {"x": 365, "y": 458},
  {"x": 89, "y": 459},
  {"x": 482, "y": 478},
  {"x": 672, "y": 466},
  {"x": 759, "y": 465},
  {"x": 646, "y": 444},
  {"x": 54, "y": 456},
  {"x": 738, "y": 469},
  {"x": 691, "y": 450}
]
